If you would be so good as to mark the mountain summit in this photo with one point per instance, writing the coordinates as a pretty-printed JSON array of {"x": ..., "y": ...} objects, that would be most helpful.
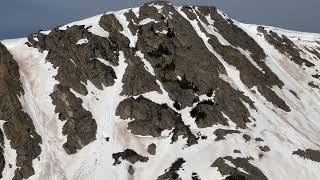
[{"x": 160, "y": 92}]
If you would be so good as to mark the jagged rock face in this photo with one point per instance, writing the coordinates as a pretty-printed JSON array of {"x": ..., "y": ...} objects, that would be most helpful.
[
  {"x": 77, "y": 64},
  {"x": 263, "y": 78},
  {"x": 248, "y": 171},
  {"x": 284, "y": 45},
  {"x": 128, "y": 155},
  {"x": 160, "y": 92},
  {"x": 311, "y": 154},
  {"x": 151, "y": 119},
  {"x": 2, "y": 160},
  {"x": 221, "y": 133},
  {"x": 171, "y": 173},
  {"x": 18, "y": 126}
]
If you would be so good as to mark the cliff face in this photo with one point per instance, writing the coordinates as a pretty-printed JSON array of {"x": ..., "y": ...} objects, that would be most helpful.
[{"x": 160, "y": 92}]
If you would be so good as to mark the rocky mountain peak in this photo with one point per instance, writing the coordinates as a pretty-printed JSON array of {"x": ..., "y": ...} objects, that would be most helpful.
[{"x": 160, "y": 92}]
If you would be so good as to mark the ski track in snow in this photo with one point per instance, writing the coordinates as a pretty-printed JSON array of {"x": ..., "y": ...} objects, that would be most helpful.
[{"x": 281, "y": 131}]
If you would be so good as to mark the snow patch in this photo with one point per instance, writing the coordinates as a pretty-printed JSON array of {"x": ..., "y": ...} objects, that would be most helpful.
[
  {"x": 126, "y": 31},
  {"x": 92, "y": 24},
  {"x": 10, "y": 156},
  {"x": 146, "y": 63},
  {"x": 82, "y": 41},
  {"x": 147, "y": 21},
  {"x": 159, "y": 7}
]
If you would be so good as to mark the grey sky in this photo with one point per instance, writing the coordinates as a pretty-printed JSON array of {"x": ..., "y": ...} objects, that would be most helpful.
[{"x": 19, "y": 18}]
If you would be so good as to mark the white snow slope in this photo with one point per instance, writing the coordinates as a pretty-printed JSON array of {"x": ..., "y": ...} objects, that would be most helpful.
[{"x": 283, "y": 132}]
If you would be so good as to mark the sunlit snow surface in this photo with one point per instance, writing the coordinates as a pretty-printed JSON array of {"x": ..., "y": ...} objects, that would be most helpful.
[{"x": 283, "y": 132}]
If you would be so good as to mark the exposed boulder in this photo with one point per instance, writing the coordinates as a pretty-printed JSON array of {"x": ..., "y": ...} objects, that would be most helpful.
[
  {"x": 152, "y": 149},
  {"x": 129, "y": 155}
]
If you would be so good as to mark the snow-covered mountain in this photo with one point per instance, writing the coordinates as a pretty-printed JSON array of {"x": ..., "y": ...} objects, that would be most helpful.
[{"x": 160, "y": 92}]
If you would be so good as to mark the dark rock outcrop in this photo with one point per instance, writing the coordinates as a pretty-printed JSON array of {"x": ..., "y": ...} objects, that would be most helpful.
[
  {"x": 258, "y": 139},
  {"x": 77, "y": 64},
  {"x": 152, "y": 149},
  {"x": 129, "y": 155},
  {"x": 171, "y": 173},
  {"x": 172, "y": 54},
  {"x": 150, "y": 119},
  {"x": 311, "y": 154},
  {"x": 264, "y": 148},
  {"x": 195, "y": 176},
  {"x": 137, "y": 80},
  {"x": 221, "y": 133},
  {"x": 233, "y": 173},
  {"x": 237, "y": 151},
  {"x": 2, "y": 160},
  {"x": 208, "y": 113},
  {"x": 18, "y": 126},
  {"x": 192, "y": 68},
  {"x": 285, "y": 46},
  {"x": 314, "y": 52},
  {"x": 246, "y": 137},
  {"x": 313, "y": 85},
  {"x": 80, "y": 128},
  {"x": 250, "y": 75}
]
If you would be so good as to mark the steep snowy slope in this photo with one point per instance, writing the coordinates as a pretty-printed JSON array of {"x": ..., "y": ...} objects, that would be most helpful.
[{"x": 160, "y": 92}]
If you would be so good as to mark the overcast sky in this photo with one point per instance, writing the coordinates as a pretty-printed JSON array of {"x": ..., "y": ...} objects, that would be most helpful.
[{"x": 18, "y": 18}]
